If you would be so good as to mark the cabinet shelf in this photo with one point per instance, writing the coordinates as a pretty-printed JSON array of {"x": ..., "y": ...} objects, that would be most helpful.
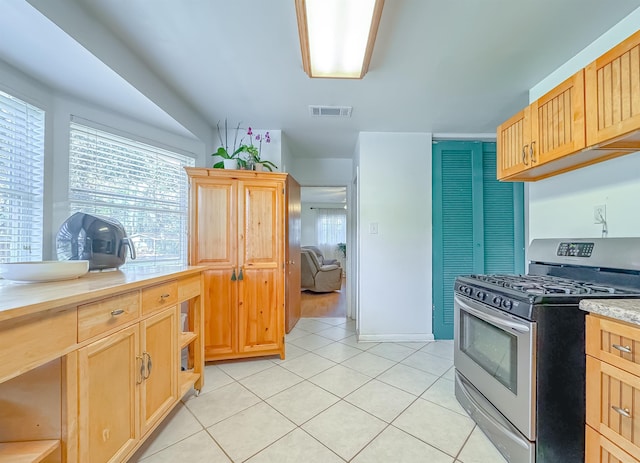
[
  {"x": 186, "y": 380},
  {"x": 27, "y": 452},
  {"x": 187, "y": 338}
]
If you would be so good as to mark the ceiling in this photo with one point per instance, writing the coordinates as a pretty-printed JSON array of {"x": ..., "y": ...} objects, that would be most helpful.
[{"x": 448, "y": 66}]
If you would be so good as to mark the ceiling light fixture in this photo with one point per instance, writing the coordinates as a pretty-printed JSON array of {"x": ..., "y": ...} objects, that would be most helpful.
[{"x": 337, "y": 36}]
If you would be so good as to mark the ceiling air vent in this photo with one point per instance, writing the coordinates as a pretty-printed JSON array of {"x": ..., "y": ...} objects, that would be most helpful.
[{"x": 330, "y": 111}]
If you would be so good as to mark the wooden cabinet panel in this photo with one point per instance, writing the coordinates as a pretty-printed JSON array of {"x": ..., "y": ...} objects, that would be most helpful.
[
  {"x": 108, "y": 418},
  {"x": 260, "y": 312},
  {"x": 35, "y": 339},
  {"x": 613, "y": 404},
  {"x": 613, "y": 93},
  {"x": 513, "y": 138},
  {"x": 159, "y": 296},
  {"x": 158, "y": 391},
  {"x": 220, "y": 313},
  {"x": 189, "y": 288},
  {"x": 101, "y": 316},
  {"x": 601, "y": 450},
  {"x": 213, "y": 232},
  {"x": 614, "y": 342},
  {"x": 293, "y": 231}
]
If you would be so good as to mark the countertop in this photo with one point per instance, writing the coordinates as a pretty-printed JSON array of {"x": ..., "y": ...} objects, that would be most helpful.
[
  {"x": 627, "y": 310},
  {"x": 19, "y": 299}
]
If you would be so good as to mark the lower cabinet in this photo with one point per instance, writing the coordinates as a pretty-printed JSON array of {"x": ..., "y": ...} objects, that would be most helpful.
[
  {"x": 128, "y": 382},
  {"x": 612, "y": 392}
]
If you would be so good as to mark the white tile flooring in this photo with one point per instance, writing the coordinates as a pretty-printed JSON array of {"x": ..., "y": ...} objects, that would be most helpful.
[{"x": 332, "y": 400}]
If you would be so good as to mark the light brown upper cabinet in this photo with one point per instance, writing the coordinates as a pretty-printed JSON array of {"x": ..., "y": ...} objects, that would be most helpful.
[
  {"x": 613, "y": 96},
  {"x": 549, "y": 129},
  {"x": 591, "y": 117}
]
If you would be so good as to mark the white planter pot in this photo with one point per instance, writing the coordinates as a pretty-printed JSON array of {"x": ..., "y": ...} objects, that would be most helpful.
[
  {"x": 230, "y": 163},
  {"x": 258, "y": 166}
]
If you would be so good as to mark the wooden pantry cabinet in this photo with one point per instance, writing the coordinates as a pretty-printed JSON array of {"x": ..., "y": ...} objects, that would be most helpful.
[
  {"x": 612, "y": 391},
  {"x": 238, "y": 231},
  {"x": 117, "y": 351},
  {"x": 591, "y": 117}
]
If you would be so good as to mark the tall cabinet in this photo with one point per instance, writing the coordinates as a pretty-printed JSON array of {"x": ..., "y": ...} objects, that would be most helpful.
[{"x": 238, "y": 231}]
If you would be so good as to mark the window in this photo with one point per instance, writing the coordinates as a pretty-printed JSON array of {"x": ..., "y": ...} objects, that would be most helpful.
[
  {"x": 331, "y": 227},
  {"x": 21, "y": 180},
  {"x": 142, "y": 186}
]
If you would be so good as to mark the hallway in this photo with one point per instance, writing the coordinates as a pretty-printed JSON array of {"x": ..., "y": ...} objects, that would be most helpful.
[{"x": 320, "y": 305}]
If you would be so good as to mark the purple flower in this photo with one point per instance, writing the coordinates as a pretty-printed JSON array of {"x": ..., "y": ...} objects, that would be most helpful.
[{"x": 249, "y": 131}]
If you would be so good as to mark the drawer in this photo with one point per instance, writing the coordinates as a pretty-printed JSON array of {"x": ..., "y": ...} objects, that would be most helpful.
[
  {"x": 614, "y": 342},
  {"x": 613, "y": 404},
  {"x": 189, "y": 288},
  {"x": 30, "y": 341},
  {"x": 159, "y": 296},
  {"x": 601, "y": 450},
  {"x": 101, "y": 316}
]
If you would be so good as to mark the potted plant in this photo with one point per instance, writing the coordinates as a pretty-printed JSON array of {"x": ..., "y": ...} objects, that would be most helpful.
[
  {"x": 231, "y": 158},
  {"x": 254, "y": 152}
]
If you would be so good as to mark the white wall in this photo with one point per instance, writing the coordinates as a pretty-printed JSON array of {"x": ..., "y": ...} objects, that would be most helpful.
[
  {"x": 562, "y": 206},
  {"x": 394, "y": 280},
  {"x": 322, "y": 172}
]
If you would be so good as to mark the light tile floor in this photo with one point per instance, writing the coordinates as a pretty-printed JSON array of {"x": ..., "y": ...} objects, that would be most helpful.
[{"x": 332, "y": 400}]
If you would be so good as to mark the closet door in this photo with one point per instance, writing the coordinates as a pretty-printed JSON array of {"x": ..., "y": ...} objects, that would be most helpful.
[{"x": 477, "y": 222}]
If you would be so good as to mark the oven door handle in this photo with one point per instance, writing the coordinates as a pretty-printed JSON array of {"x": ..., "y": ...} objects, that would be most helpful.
[{"x": 520, "y": 327}]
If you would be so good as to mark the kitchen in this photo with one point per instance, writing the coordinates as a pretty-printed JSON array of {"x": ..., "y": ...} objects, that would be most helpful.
[{"x": 559, "y": 206}]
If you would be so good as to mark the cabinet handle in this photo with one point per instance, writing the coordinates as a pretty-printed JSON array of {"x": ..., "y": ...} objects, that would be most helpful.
[
  {"x": 140, "y": 378},
  {"x": 115, "y": 313},
  {"x": 531, "y": 151},
  {"x": 233, "y": 275},
  {"x": 240, "y": 276},
  {"x": 625, "y": 349},
  {"x": 149, "y": 365},
  {"x": 164, "y": 296},
  {"x": 622, "y": 411},
  {"x": 524, "y": 155}
]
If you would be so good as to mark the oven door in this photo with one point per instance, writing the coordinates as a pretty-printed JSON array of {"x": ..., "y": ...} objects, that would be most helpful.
[{"x": 495, "y": 352}]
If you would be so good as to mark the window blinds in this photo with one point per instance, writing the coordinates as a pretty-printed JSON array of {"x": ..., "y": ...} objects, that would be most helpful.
[
  {"x": 21, "y": 180},
  {"x": 142, "y": 186}
]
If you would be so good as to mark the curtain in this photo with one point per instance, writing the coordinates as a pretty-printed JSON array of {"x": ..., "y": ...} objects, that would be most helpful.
[{"x": 331, "y": 229}]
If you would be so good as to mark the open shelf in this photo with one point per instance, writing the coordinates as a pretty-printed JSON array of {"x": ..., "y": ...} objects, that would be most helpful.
[
  {"x": 28, "y": 451},
  {"x": 186, "y": 338},
  {"x": 186, "y": 381}
]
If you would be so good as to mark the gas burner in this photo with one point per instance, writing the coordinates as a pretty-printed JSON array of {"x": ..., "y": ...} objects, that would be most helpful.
[{"x": 544, "y": 284}]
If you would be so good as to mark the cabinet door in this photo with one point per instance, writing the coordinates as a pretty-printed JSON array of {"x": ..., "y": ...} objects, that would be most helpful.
[
  {"x": 261, "y": 260},
  {"x": 292, "y": 255},
  {"x": 613, "y": 92},
  {"x": 558, "y": 124},
  {"x": 612, "y": 396},
  {"x": 601, "y": 450},
  {"x": 109, "y": 370},
  {"x": 214, "y": 243},
  {"x": 513, "y": 138},
  {"x": 158, "y": 391}
]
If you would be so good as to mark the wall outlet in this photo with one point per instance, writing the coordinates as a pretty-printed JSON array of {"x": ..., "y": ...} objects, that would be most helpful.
[{"x": 600, "y": 214}]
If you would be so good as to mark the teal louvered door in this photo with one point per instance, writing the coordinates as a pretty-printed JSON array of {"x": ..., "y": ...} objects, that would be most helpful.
[{"x": 478, "y": 222}]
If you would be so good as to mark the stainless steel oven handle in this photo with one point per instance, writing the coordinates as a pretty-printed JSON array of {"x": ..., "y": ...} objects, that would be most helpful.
[
  {"x": 514, "y": 437},
  {"x": 522, "y": 328}
]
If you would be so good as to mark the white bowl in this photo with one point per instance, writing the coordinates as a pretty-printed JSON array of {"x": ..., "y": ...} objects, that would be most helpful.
[{"x": 52, "y": 270}]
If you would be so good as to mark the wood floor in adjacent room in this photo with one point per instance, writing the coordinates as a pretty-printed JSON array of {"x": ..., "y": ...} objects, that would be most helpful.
[{"x": 333, "y": 304}]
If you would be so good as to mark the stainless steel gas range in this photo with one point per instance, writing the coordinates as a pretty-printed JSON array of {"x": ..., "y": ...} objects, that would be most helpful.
[{"x": 519, "y": 344}]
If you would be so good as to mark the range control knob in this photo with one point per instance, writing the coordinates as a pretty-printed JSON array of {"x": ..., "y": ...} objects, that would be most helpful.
[
  {"x": 497, "y": 300},
  {"x": 466, "y": 290},
  {"x": 507, "y": 304},
  {"x": 481, "y": 295}
]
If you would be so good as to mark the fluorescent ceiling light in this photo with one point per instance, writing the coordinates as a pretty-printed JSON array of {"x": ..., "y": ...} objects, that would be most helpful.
[{"x": 337, "y": 36}]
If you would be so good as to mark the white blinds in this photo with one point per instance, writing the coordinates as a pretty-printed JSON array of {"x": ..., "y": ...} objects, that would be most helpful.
[
  {"x": 21, "y": 180},
  {"x": 142, "y": 186}
]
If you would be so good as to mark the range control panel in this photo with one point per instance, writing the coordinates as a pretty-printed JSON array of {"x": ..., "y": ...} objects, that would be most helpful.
[{"x": 580, "y": 249}]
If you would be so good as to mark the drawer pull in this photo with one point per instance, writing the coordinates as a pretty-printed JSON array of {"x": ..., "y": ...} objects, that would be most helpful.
[
  {"x": 149, "y": 365},
  {"x": 117, "y": 312},
  {"x": 141, "y": 377},
  {"x": 165, "y": 295},
  {"x": 625, "y": 349},
  {"x": 622, "y": 411}
]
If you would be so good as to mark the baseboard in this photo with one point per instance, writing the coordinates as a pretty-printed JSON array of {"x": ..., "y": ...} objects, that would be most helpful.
[{"x": 417, "y": 337}]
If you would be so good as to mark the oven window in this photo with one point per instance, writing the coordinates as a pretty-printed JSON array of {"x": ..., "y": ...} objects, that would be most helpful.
[{"x": 493, "y": 349}]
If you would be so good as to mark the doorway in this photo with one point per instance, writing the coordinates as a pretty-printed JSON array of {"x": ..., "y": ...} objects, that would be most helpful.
[{"x": 324, "y": 225}]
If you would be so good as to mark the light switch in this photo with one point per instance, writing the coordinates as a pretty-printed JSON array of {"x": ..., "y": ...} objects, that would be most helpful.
[{"x": 373, "y": 228}]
